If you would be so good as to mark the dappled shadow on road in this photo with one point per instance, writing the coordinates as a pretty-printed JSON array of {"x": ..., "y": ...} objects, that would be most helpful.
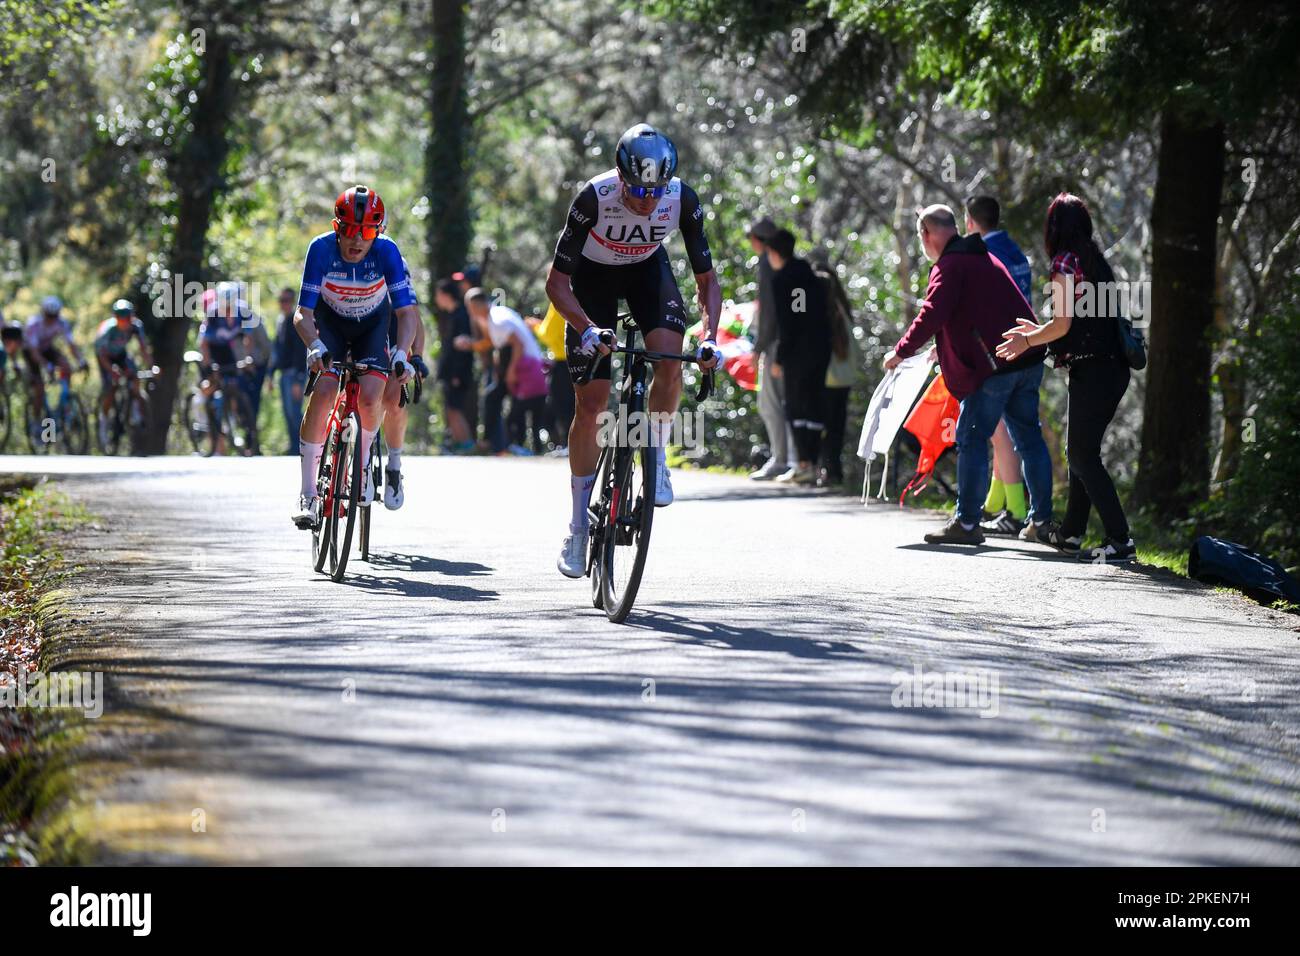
[
  {"x": 466, "y": 701},
  {"x": 769, "y": 710}
]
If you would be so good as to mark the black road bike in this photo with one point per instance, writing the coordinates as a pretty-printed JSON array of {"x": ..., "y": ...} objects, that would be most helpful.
[{"x": 622, "y": 510}]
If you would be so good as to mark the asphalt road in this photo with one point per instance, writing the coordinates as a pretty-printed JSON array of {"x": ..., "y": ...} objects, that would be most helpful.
[{"x": 458, "y": 701}]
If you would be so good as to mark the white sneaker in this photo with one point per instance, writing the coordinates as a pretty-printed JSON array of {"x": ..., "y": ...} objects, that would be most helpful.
[
  {"x": 307, "y": 516},
  {"x": 573, "y": 556},
  {"x": 768, "y": 471},
  {"x": 799, "y": 476},
  {"x": 663, "y": 486},
  {"x": 394, "y": 492}
]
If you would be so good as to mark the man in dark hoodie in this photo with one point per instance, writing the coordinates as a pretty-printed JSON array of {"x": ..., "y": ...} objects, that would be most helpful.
[
  {"x": 969, "y": 297},
  {"x": 803, "y": 351}
]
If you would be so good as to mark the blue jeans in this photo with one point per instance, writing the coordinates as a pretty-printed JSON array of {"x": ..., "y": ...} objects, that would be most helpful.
[
  {"x": 1012, "y": 396},
  {"x": 292, "y": 406}
]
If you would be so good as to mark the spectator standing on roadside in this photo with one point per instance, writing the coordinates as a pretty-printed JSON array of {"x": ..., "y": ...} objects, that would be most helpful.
[
  {"x": 843, "y": 372},
  {"x": 1089, "y": 346},
  {"x": 1005, "y": 507},
  {"x": 968, "y": 301},
  {"x": 803, "y": 351},
  {"x": 289, "y": 358},
  {"x": 519, "y": 374},
  {"x": 561, "y": 401},
  {"x": 455, "y": 372},
  {"x": 771, "y": 390}
]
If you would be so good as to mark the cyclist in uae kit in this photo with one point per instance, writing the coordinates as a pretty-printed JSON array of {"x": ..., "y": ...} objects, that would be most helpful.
[
  {"x": 612, "y": 249},
  {"x": 344, "y": 311}
]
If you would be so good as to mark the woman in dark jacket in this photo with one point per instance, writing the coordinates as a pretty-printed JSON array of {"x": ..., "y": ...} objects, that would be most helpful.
[{"x": 1089, "y": 346}]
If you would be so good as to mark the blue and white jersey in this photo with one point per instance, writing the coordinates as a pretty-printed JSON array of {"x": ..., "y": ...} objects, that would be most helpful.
[{"x": 354, "y": 290}]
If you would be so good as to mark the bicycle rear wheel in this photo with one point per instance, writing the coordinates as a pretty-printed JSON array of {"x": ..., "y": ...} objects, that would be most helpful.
[
  {"x": 377, "y": 482},
  {"x": 627, "y": 532},
  {"x": 348, "y": 502}
]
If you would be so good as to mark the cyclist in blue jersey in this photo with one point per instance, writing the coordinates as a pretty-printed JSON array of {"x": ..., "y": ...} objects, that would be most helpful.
[{"x": 344, "y": 311}]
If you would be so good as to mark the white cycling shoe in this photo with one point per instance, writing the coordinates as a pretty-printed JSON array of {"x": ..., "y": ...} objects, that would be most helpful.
[
  {"x": 307, "y": 515},
  {"x": 394, "y": 490},
  {"x": 663, "y": 486},
  {"x": 573, "y": 556}
]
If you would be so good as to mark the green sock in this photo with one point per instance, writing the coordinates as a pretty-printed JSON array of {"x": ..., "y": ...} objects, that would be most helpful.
[
  {"x": 1016, "y": 500},
  {"x": 997, "y": 499}
]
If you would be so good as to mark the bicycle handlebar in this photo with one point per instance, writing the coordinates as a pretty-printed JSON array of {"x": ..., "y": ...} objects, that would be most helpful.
[{"x": 609, "y": 340}]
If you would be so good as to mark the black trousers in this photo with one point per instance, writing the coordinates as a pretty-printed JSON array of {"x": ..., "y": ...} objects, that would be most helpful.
[
  {"x": 837, "y": 413},
  {"x": 535, "y": 409},
  {"x": 1095, "y": 389},
  {"x": 560, "y": 404},
  {"x": 494, "y": 427},
  {"x": 805, "y": 408}
]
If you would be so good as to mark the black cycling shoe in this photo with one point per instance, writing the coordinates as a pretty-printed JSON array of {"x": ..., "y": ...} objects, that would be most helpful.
[
  {"x": 1003, "y": 524},
  {"x": 954, "y": 533},
  {"x": 1110, "y": 551}
]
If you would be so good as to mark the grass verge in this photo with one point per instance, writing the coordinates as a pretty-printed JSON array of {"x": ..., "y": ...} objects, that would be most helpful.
[{"x": 33, "y": 741}]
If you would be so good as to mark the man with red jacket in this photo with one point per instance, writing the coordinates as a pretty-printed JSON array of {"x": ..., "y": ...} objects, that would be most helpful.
[{"x": 969, "y": 300}]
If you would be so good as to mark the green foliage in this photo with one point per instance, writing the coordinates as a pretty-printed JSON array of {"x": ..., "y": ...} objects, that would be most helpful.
[{"x": 1260, "y": 506}]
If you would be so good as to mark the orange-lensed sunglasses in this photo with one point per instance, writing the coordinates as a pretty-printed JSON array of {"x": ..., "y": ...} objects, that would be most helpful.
[{"x": 350, "y": 229}]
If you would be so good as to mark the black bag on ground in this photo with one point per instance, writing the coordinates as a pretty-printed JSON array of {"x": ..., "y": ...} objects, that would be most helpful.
[{"x": 1215, "y": 561}]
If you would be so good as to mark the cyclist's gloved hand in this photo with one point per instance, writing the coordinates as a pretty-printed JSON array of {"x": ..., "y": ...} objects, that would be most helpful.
[
  {"x": 590, "y": 342},
  {"x": 316, "y": 356},
  {"x": 417, "y": 362},
  {"x": 401, "y": 368},
  {"x": 709, "y": 347}
]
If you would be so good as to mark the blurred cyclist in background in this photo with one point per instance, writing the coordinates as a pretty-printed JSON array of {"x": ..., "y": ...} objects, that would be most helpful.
[{"x": 41, "y": 337}]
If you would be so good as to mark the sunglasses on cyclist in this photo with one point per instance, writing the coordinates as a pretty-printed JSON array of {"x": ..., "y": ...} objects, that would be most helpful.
[
  {"x": 641, "y": 192},
  {"x": 351, "y": 229}
]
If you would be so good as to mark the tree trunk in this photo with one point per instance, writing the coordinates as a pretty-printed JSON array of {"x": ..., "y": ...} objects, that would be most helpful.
[
  {"x": 1174, "y": 465},
  {"x": 446, "y": 157},
  {"x": 195, "y": 172}
]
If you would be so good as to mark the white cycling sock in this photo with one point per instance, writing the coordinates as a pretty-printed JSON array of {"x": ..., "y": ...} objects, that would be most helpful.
[
  {"x": 366, "y": 438},
  {"x": 663, "y": 434},
  {"x": 309, "y": 456},
  {"x": 395, "y": 459},
  {"x": 580, "y": 487}
]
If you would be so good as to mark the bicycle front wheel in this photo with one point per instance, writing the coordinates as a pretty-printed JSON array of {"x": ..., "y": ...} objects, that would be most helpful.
[
  {"x": 326, "y": 493},
  {"x": 348, "y": 502},
  {"x": 6, "y": 422},
  {"x": 76, "y": 430},
  {"x": 596, "y": 517},
  {"x": 627, "y": 532}
]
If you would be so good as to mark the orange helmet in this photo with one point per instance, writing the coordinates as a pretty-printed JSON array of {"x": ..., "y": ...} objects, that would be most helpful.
[{"x": 359, "y": 210}]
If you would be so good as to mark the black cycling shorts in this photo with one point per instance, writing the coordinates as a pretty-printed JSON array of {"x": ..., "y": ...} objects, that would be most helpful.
[
  {"x": 363, "y": 340},
  {"x": 648, "y": 287}
]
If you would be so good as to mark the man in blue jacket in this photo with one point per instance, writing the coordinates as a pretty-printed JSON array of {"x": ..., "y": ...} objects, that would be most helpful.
[{"x": 1005, "y": 503}]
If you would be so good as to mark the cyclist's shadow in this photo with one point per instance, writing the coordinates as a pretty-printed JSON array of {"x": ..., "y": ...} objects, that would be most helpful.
[
  {"x": 417, "y": 589},
  {"x": 420, "y": 562},
  {"x": 695, "y": 627}
]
